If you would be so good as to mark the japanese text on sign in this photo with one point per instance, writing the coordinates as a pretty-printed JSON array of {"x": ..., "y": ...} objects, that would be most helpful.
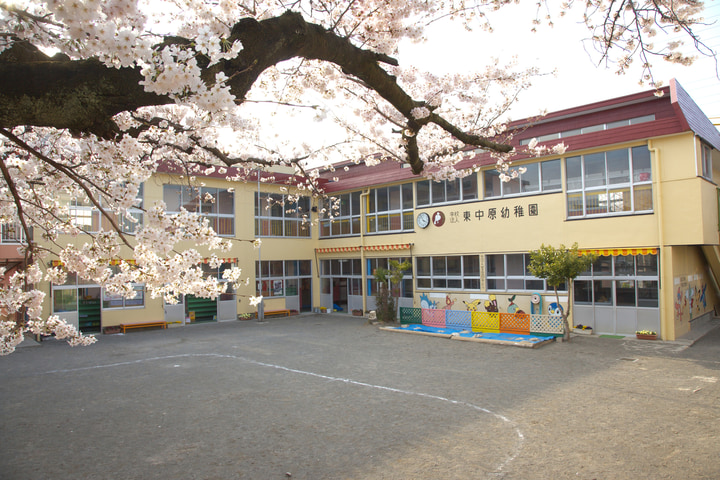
[{"x": 494, "y": 213}]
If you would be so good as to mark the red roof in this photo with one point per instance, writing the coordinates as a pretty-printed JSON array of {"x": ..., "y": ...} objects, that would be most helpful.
[
  {"x": 674, "y": 111},
  {"x": 250, "y": 175}
]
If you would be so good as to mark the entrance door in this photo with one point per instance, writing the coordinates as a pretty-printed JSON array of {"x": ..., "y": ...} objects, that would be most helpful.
[
  {"x": 226, "y": 307},
  {"x": 175, "y": 312},
  {"x": 201, "y": 309},
  {"x": 340, "y": 294},
  {"x": 305, "y": 294},
  {"x": 89, "y": 311}
]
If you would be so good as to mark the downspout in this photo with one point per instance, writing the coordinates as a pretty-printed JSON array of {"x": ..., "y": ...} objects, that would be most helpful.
[
  {"x": 261, "y": 305},
  {"x": 363, "y": 267},
  {"x": 665, "y": 287}
]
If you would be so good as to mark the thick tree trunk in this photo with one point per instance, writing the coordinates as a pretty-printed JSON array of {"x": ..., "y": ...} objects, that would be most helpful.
[
  {"x": 81, "y": 95},
  {"x": 84, "y": 95}
]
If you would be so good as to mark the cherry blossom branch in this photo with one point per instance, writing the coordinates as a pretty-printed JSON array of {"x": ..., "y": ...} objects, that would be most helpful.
[
  {"x": 80, "y": 182},
  {"x": 18, "y": 202}
]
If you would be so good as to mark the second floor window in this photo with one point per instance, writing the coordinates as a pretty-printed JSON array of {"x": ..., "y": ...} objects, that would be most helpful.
[
  {"x": 215, "y": 204},
  {"x": 87, "y": 217},
  {"x": 390, "y": 209},
  {"x": 278, "y": 215},
  {"x": 609, "y": 183},
  {"x": 448, "y": 191},
  {"x": 340, "y": 215},
  {"x": 707, "y": 167},
  {"x": 537, "y": 177},
  {"x": 12, "y": 233}
]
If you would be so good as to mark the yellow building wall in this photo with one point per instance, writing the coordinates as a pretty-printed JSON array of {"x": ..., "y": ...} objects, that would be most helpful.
[
  {"x": 693, "y": 293},
  {"x": 516, "y": 233},
  {"x": 687, "y": 202},
  {"x": 685, "y": 213}
]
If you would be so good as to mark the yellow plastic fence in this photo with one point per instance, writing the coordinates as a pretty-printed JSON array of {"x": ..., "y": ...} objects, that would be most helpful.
[{"x": 486, "y": 322}]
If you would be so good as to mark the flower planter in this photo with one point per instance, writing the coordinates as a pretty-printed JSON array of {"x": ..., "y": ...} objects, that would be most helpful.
[
  {"x": 641, "y": 336},
  {"x": 583, "y": 331},
  {"x": 357, "y": 313}
]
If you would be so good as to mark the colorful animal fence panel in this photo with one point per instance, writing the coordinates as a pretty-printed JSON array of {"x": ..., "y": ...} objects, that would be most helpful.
[
  {"x": 433, "y": 318},
  {"x": 515, "y": 323},
  {"x": 458, "y": 319},
  {"x": 485, "y": 322},
  {"x": 548, "y": 324},
  {"x": 492, "y": 322},
  {"x": 410, "y": 315}
]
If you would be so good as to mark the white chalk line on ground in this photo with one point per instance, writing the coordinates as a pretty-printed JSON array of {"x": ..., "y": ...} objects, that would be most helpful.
[{"x": 501, "y": 466}]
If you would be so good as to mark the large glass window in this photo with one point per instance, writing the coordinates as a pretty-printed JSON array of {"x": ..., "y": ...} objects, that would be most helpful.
[
  {"x": 12, "y": 233},
  {"x": 280, "y": 278},
  {"x": 404, "y": 289},
  {"x": 85, "y": 215},
  {"x": 111, "y": 300},
  {"x": 609, "y": 183},
  {"x": 279, "y": 215},
  {"x": 510, "y": 272},
  {"x": 537, "y": 177},
  {"x": 348, "y": 268},
  {"x": 340, "y": 215},
  {"x": 389, "y": 209},
  {"x": 215, "y": 204},
  {"x": 622, "y": 280},
  {"x": 429, "y": 192},
  {"x": 453, "y": 272}
]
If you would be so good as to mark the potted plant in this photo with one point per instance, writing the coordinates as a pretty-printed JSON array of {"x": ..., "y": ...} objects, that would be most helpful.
[
  {"x": 646, "y": 335},
  {"x": 582, "y": 329}
]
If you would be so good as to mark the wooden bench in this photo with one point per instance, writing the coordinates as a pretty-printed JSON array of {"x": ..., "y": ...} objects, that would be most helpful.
[
  {"x": 125, "y": 326},
  {"x": 271, "y": 313}
]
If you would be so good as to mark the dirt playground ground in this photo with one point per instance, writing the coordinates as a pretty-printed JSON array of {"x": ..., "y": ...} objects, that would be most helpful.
[{"x": 331, "y": 397}]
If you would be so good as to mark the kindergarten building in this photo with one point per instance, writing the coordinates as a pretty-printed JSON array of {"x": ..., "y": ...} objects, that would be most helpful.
[{"x": 637, "y": 186}]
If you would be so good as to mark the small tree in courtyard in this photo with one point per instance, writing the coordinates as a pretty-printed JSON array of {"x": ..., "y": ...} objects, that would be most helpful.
[
  {"x": 385, "y": 305},
  {"x": 557, "y": 266}
]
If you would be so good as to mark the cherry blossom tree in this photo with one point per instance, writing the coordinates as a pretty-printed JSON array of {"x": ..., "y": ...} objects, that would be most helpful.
[{"x": 96, "y": 95}]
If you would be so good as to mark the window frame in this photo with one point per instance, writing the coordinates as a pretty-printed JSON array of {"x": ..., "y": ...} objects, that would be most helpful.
[
  {"x": 600, "y": 278},
  {"x": 196, "y": 203},
  {"x": 281, "y": 218},
  {"x": 467, "y": 188},
  {"x": 510, "y": 276},
  {"x": 602, "y": 197},
  {"x": 406, "y": 284},
  {"x": 706, "y": 161},
  {"x": 434, "y": 277},
  {"x": 390, "y": 209},
  {"x": 337, "y": 219},
  {"x": 590, "y": 129},
  {"x": 291, "y": 270},
  {"x": 540, "y": 180}
]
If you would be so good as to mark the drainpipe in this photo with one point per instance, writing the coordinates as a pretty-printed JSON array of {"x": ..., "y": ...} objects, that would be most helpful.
[
  {"x": 261, "y": 305},
  {"x": 665, "y": 286},
  {"x": 363, "y": 266}
]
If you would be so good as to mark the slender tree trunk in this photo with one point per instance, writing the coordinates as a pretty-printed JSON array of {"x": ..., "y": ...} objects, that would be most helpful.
[{"x": 565, "y": 315}]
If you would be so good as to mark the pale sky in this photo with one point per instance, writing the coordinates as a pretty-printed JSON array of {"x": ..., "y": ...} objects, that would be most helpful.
[{"x": 579, "y": 79}]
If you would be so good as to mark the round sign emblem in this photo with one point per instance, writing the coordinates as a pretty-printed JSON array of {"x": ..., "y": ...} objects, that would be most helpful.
[{"x": 438, "y": 219}]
